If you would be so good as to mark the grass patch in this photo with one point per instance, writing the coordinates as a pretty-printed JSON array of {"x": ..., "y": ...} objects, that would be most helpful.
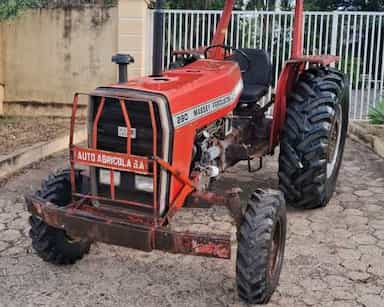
[{"x": 376, "y": 114}]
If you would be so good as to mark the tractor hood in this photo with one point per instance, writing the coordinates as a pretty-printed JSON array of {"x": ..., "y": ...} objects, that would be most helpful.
[{"x": 195, "y": 84}]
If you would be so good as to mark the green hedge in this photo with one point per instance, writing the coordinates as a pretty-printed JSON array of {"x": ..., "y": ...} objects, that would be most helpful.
[{"x": 11, "y": 8}]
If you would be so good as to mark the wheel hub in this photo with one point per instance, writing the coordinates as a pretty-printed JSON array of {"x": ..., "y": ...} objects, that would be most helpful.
[{"x": 275, "y": 256}]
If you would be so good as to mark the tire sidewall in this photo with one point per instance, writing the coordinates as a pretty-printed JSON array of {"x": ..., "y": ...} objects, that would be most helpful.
[
  {"x": 281, "y": 216},
  {"x": 330, "y": 183}
]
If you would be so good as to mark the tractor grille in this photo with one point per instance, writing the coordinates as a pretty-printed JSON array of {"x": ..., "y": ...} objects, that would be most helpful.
[
  {"x": 112, "y": 118},
  {"x": 108, "y": 139}
]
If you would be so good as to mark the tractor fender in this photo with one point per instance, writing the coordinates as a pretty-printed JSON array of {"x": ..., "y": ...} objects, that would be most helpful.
[{"x": 288, "y": 77}]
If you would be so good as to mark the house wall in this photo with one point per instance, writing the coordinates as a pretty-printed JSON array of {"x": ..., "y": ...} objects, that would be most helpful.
[
  {"x": 134, "y": 34},
  {"x": 46, "y": 55},
  {"x": 49, "y": 54}
]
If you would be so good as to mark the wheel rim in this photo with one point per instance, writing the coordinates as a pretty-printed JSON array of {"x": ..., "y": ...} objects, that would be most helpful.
[
  {"x": 334, "y": 141},
  {"x": 71, "y": 240},
  {"x": 275, "y": 256}
]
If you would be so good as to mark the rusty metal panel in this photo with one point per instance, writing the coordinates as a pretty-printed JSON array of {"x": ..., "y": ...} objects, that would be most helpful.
[
  {"x": 133, "y": 236},
  {"x": 90, "y": 226},
  {"x": 80, "y": 221},
  {"x": 193, "y": 244}
]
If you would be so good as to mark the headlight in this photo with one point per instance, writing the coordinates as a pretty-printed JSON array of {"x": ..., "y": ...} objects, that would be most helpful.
[
  {"x": 143, "y": 183},
  {"x": 105, "y": 177}
]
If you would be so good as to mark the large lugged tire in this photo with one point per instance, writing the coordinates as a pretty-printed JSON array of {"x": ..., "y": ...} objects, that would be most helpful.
[
  {"x": 313, "y": 138},
  {"x": 51, "y": 244},
  {"x": 261, "y": 244}
]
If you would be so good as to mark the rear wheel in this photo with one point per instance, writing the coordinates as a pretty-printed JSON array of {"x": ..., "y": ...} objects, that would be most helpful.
[
  {"x": 313, "y": 138},
  {"x": 261, "y": 244},
  {"x": 51, "y": 244}
]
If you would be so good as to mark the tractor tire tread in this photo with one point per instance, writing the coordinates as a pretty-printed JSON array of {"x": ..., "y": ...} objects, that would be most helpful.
[
  {"x": 50, "y": 243},
  {"x": 304, "y": 141},
  {"x": 254, "y": 241}
]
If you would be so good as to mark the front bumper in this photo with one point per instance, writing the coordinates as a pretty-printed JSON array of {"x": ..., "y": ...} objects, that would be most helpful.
[{"x": 81, "y": 220}]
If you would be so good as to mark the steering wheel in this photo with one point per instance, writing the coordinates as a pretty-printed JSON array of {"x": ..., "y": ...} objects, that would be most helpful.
[{"x": 227, "y": 50}]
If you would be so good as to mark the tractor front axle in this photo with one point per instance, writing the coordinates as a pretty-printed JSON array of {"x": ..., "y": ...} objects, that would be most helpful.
[{"x": 105, "y": 224}]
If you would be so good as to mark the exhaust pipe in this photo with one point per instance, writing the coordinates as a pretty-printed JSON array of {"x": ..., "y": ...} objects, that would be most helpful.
[
  {"x": 157, "y": 63},
  {"x": 123, "y": 60}
]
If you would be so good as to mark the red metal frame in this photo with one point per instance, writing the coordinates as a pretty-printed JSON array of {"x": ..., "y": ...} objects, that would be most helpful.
[
  {"x": 127, "y": 161},
  {"x": 297, "y": 35},
  {"x": 188, "y": 187},
  {"x": 221, "y": 31},
  {"x": 90, "y": 157},
  {"x": 129, "y": 126}
]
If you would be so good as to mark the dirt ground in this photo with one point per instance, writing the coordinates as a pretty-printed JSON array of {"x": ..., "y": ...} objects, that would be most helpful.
[
  {"x": 376, "y": 130},
  {"x": 20, "y": 132},
  {"x": 334, "y": 256}
]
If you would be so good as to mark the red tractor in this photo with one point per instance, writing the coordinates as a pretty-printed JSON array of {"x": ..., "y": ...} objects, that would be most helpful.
[{"x": 156, "y": 143}]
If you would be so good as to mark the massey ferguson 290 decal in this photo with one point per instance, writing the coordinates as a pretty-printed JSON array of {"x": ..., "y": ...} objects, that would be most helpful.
[
  {"x": 185, "y": 117},
  {"x": 109, "y": 160}
]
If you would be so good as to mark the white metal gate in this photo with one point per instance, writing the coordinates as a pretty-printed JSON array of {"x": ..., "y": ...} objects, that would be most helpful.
[{"x": 357, "y": 37}]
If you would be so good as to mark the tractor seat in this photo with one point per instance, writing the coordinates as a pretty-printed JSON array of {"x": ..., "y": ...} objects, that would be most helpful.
[
  {"x": 253, "y": 93},
  {"x": 258, "y": 77}
]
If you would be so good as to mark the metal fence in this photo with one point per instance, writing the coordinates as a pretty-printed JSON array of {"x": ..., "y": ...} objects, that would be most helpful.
[{"x": 357, "y": 37}]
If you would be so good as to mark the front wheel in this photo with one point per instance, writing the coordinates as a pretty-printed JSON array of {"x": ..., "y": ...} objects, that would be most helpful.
[
  {"x": 51, "y": 244},
  {"x": 261, "y": 244},
  {"x": 313, "y": 138}
]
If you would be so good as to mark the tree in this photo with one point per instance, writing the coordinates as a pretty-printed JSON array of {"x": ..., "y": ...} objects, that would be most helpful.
[
  {"x": 219, "y": 4},
  {"x": 200, "y": 4},
  {"x": 310, "y": 5},
  {"x": 356, "y": 5},
  {"x": 320, "y": 5},
  {"x": 261, "y": 5},
  {"x": 368, "y": 5}
]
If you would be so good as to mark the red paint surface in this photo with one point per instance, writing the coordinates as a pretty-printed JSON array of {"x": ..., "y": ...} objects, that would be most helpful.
[
  {"x": 297, "y": 40},
  {"x": 197, "y": 83}
]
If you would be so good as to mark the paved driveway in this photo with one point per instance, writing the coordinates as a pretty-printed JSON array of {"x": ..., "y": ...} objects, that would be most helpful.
[{"x": 334, "y": 256}]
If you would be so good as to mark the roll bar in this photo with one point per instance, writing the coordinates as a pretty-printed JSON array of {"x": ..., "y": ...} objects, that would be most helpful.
[{"x": 222, "y": 29}]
